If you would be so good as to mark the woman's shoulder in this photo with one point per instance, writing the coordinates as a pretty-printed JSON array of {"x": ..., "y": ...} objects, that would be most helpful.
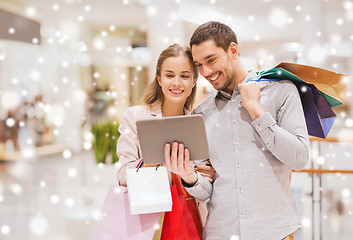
[
  {"x": 140, "y": 112},
  {"x": 136, "y": 110}
]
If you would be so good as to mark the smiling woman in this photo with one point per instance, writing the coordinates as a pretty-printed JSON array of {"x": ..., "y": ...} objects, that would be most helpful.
[{"x": 171, "y": 93}]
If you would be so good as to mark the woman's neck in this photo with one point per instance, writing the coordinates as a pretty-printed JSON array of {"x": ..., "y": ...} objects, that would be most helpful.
[{"x": 170, "y": 109}]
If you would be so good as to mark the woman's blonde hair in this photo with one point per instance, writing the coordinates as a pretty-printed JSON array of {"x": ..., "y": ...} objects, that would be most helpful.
[{"x": 153, "y": 96}]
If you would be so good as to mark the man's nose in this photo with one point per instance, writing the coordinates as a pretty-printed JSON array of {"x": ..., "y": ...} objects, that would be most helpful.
[{"x": 206, "y": 71}]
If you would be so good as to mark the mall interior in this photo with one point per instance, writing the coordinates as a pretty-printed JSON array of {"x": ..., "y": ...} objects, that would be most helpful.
[{"x": 69, "y": 69}]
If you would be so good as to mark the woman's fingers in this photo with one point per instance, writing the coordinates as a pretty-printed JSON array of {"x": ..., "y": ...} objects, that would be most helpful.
[
  {"x": 167, "y": 156},
  {"x": 177, "y": 158},
  {"x": 181, "y": 157},
  {"x": 174, "y": 156}
]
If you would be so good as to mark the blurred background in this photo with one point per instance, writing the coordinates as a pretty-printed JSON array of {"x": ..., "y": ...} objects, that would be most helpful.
[{"x": 69, "y": 69}]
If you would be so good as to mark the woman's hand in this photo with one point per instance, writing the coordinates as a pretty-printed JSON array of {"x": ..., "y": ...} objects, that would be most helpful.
[
  {"x": 177, "y": 160},
  {"x": 207, "y": 171}
]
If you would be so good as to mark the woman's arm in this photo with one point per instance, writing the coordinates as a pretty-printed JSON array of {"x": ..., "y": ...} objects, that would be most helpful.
[{"x": 127, "y": 146}]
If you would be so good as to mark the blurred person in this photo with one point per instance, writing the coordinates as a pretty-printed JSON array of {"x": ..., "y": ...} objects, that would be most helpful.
[
  {"x": 171, "y": 93},
  {"x": 256, "y": 133}
]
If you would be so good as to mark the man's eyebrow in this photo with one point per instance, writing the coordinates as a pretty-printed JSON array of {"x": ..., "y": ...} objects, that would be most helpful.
[
  {"x": 209, "y": 56},
  {"x": 205, "y": 58}
]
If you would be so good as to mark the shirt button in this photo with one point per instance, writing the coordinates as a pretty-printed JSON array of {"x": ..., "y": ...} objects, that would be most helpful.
[
  {"x": 242, "y": 216},
  {"x": 236, "y": 142},
  {"x": 240, "y": 190},
  {"x": 238, "y": 165},
  {"x": 268, "y": 145},
  {"x": 234, "y": 121},
  {"x": 257, "y": 125}
]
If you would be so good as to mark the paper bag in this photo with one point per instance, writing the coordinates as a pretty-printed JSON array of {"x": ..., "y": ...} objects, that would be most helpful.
[
  {"x": 179, "y": 224},
  {"x": 148, "y": 190},
  {"x": 332, "y": 85},
  {"x": 116, "y": 222}
]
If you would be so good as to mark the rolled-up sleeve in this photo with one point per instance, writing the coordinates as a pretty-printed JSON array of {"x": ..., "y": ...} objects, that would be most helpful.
[{"x": 287, "y": 138}]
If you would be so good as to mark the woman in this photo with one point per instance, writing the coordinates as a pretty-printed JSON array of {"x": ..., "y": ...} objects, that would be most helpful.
[{"x": 171, "y": 93}]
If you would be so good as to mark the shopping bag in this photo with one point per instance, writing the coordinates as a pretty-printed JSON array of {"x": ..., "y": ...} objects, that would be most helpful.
[
  {"x": 319, "y": 115},
  {"x": 179, "y": 224},
  {"x": 148, "y": 190},
  {"x": 116, "y": 222},
  {"x": 316, "y": 103},
  {"x": 332, "y": 85}
]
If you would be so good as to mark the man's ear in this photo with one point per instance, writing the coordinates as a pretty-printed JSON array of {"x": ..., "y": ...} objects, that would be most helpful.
[{"x": 233, "y": 48}]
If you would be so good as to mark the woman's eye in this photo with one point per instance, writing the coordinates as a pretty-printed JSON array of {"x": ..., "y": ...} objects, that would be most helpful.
[
  {"x": 185, "y": 76},
  {"x": 169, "y": 75}
]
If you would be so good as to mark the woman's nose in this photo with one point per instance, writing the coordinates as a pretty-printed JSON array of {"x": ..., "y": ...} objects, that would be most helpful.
[{"x": 176, "y": 81}]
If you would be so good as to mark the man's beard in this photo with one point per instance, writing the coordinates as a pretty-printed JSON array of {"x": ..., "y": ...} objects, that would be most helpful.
[{"x": 228, "y": 82}]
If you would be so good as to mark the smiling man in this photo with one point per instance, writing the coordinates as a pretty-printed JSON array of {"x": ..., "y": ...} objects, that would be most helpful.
[{"x": 256, "y": 133}]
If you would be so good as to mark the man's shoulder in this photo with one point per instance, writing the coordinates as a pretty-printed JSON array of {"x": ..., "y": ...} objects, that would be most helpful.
[
  {"x": 206, "y": 104},
  {"x": 282, "y": 87}
]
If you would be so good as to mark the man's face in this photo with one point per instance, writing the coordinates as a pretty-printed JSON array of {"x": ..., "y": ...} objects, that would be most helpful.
[{"x": 215, "y": 64}]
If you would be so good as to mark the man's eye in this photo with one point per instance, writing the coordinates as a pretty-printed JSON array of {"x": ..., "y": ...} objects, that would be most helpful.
[{"x": 211, "y": 60}]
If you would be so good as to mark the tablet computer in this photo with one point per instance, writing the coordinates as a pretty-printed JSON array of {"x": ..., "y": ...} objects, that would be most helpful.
[{"x": 190, "y": 130}]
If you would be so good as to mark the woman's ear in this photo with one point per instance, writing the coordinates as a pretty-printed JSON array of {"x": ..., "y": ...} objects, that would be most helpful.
[
  {"x": 158, "y": 80},
  {"x": 195, "y": 80}
]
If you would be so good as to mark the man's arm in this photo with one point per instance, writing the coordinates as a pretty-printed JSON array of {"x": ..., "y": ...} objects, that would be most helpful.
[{"x": 287, "y": 139}]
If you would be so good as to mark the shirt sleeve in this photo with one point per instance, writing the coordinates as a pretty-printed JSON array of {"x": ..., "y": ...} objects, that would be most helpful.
[
  {"x": 287, "y": 139},
  {"x": 201, "y": 190},
  {"x": 127, "y": 146}
]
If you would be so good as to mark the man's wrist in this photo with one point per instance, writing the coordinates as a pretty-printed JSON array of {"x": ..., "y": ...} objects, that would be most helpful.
[{"x": 255, "y": 110}]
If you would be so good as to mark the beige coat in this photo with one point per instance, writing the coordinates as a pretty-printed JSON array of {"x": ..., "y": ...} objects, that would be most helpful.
[{"x": 128, "y": 148}]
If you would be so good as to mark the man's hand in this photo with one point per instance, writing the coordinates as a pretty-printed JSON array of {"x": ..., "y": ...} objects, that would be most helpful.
[
  {"x": 207, "y": 171},
  {"x": 177, "y": 160},
  {"x": 250, "y": 95}
]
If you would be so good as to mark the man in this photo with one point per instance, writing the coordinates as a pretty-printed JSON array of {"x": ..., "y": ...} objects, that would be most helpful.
[{"x": 256, "y": 133}]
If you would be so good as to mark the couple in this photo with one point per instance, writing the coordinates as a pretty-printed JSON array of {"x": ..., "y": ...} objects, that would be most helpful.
[{"x": 256, "y": 133}]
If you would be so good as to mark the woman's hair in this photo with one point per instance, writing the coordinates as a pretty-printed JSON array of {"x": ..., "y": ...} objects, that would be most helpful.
[{"x": 153, "y": 96}]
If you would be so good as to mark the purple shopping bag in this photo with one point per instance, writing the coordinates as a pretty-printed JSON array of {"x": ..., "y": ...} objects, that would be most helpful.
[
  {"x": 318, "y": 113},
  {"x": 116, "y": 222}
]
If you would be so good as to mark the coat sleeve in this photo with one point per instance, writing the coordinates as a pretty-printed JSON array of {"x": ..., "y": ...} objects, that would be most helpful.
[{"x": 127, "y": 146}]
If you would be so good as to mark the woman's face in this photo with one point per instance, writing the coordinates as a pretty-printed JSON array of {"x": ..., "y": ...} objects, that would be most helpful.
[{"x": 176, "y": 79}]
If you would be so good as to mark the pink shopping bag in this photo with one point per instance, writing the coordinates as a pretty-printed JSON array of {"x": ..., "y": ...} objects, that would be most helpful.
[{"x": 116, "y": 222}]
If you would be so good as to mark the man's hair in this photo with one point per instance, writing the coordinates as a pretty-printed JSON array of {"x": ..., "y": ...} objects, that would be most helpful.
[{"x": 220, "y": 33}]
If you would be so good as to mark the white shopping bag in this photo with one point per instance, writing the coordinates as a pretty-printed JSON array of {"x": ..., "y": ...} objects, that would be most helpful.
[{"x": 148, "y": 190}]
